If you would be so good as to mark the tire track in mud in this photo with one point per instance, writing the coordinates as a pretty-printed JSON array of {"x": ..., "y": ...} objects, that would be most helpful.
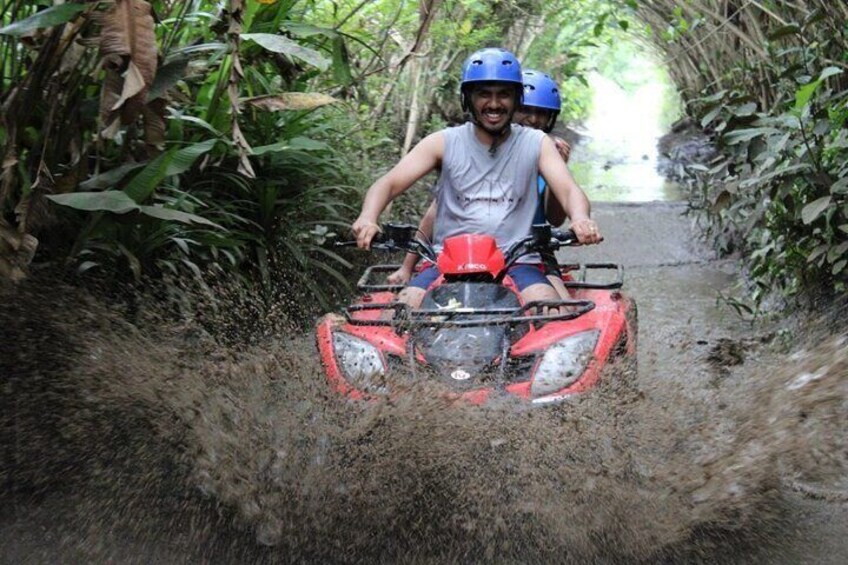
[{"x": 136, "y": 445}]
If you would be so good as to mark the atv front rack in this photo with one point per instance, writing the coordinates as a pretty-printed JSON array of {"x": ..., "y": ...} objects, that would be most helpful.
[
  {"x": 366, "y": 285},
  {"x": 406, "y": 318},
  {"x": 582, "y": 269}
]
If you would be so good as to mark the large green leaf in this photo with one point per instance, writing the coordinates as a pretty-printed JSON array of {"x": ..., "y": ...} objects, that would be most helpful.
[
  {"x": 192, "y": 49},
  {"x": 145, "y": 182},
  {"x": 307, "y": 30},
  {"x": 840, "y": 186},
  {"x": 177, "y": 115},
  {"x": 118, "y": 202},
  {"x": 295, "y": 144},
  {"x": 109, "y": 178},
  {"x": 829, "y": 72},
  {"x": 747, "y": 134},
  {"x": 341, "y": 62},
  {"x": 711, "y": 115},
  {"x": 712, "y": 98},
  {"x": 814, "y": 209},
  {"x": 176, "y": 215},
  {"x": 803, "y": 94},
  {"x": 171, "y": 163},
  {"x": 115, "y": 201},
  {"x": 60, "y": 14},
  {"x": 184, "y": 158},
  {"x": 792, "y": 169},
  {"x": 285, "y": 46},
  {"x": 745, "y": 109},
  {"x": 167, "y": 76}
]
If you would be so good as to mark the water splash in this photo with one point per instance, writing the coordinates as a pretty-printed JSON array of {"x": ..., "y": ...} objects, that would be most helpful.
[{"x": 155, "y": 445}]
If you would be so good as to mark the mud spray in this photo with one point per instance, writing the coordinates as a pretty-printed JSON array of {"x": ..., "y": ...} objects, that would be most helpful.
[{"x": 154, "y": 444}]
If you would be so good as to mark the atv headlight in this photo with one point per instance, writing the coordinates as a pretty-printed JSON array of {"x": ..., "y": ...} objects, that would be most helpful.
[
  {"x": 563, "y": 363},
  {"x": 361, "y": 362}
]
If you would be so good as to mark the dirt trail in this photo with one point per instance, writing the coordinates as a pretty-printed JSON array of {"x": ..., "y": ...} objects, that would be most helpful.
[
  {"x": 692, "y": 345},
  {"x": 150, "y": 445}
]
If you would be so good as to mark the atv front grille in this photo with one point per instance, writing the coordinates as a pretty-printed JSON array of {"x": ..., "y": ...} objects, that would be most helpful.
[{"x": 518, "y": 369}]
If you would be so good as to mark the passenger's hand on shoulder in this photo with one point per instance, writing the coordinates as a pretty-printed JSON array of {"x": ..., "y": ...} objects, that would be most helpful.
[{"x": 563, "y": 147}]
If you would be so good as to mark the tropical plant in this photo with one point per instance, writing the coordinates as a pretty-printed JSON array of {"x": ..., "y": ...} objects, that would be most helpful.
[
  {"x": 136, "y": 170},
  {"x": 769, "y": 82}
]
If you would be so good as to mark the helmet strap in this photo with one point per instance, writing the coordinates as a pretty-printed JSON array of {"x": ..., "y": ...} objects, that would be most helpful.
[{"x": 551, "y": 121}]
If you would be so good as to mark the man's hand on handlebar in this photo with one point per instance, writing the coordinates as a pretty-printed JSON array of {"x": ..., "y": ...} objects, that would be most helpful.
[
  {"x": 364, "y": 230},
  {"x": 587, "y": 231}
]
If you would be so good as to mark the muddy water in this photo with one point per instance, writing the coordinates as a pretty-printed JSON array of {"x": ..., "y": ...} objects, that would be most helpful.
[{"x": 149, "y": 444}]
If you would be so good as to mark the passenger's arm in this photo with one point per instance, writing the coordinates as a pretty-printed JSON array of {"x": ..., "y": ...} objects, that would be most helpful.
[
  {"x": 570, "y": 196},
  {"x": 423, "y": 158}
]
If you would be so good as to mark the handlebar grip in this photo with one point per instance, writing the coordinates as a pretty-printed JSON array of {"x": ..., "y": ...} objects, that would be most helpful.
[
  {"x": 564, "y": 235},
  {"x": 379, "y": 237}
]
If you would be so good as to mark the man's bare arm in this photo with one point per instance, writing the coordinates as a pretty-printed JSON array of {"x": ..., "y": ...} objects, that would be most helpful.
[
  {"x": 570, "y": 196},
  {"x": 554, "y": 213},
  {"x": 423, "y": 158}
]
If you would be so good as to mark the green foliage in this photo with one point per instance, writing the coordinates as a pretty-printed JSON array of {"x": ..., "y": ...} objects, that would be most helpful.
[
  {"x": 50, "y": 17},
  {"x": 262, "y": 127},
  {"x": 177, "y": 207},
  {"x": 770, "y": 86},
  {"x": 779, "y": 193}
]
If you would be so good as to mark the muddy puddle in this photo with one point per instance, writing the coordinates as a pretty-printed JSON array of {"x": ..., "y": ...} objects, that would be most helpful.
[{"x": 141, "y": 443}]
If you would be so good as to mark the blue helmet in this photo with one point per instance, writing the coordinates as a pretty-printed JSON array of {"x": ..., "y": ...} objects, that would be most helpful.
[
  {"x": 491, "y": 64},
  {"x": 541, "y": 91}
]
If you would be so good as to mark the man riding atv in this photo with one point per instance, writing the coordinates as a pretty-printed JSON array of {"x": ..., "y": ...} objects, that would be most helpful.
[
  {"x": 488, "y": 179},
  {"x": 539, "y": 109}
]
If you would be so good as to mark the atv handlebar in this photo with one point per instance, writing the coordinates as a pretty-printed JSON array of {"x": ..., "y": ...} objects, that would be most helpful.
[
  {"x": 542, "y": 238},
  {"x": 398, "y": 237},
  {"x": 401, "y": 237}
]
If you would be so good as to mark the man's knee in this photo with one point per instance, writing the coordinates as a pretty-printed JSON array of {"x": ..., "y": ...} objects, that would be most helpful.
[
  {"x": 539, "y": 291},
  {"x": 412, "y": 296}
]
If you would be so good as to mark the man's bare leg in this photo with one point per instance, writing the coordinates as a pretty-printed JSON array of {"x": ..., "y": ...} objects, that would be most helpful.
[
  {"x": 559, "y": 286},
  {"x": 540, "y": 292},
  {"x": 412, "y": 295}
]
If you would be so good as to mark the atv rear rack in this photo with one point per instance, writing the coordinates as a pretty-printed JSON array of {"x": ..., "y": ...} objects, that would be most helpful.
[{"x": 406, "y": 318}]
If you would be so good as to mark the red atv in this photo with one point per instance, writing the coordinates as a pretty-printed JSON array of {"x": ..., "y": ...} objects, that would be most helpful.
[{"x": 473, "y": 332}]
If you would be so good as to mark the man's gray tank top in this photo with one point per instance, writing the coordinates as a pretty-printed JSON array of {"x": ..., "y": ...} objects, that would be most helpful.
[{"x": 478, "y": 192}]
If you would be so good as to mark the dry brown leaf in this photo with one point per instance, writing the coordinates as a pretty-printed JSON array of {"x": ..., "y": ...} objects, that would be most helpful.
[
  {"x": 32, "y": 211},
  {"x": 244, "y": 166},
  {"x": 16, "y": 253},
  {"x": 291, "y": 101},
  {"x": 133, "y": 84},
  {"x": 154, "y": 125},
  {"x": 7, "y": 177},
  {"x": 130, "y": 57}
]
